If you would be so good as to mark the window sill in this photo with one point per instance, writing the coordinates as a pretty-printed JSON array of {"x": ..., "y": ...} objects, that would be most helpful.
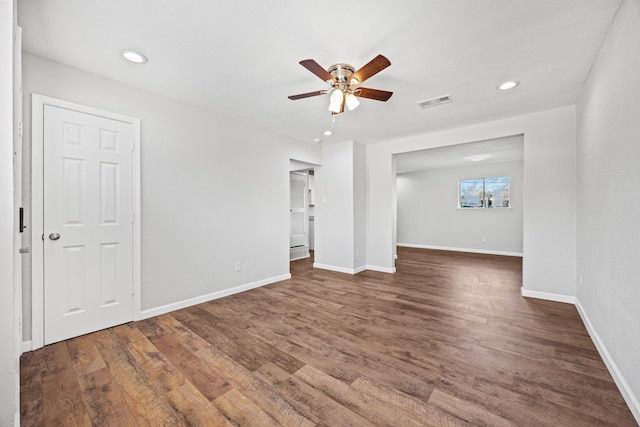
[{"x": 484, "y": 209}]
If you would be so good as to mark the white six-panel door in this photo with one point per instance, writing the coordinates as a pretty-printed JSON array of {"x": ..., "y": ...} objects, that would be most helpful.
[{"x": 88, "y": 214}]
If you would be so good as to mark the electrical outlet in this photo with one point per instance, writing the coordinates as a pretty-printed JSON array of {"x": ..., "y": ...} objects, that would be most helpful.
[
  {"x": 237, "y": 265},
  {"x": 483, "y": 239},
  {"x": 580, "y": 280}
]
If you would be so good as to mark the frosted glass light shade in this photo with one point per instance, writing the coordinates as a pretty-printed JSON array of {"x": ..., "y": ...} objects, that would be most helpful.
[
  {"x": 335, "y": 102},
  {"x": 352, "y": 102}
]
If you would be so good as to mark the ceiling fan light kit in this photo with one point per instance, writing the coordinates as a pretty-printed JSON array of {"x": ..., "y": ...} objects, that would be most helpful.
[{"x": 344, "y": 81}]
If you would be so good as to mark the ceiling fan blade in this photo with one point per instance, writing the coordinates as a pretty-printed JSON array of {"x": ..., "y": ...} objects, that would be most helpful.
[
  {"x": 373, "y": 67},
  {"x": 307, "y": 95},
  {"x": 377, "y": 94},
  {"x": 317, "y": 69}
]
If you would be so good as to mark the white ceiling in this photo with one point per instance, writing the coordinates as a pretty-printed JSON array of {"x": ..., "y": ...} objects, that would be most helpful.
[{"x": 240, "y": 58}]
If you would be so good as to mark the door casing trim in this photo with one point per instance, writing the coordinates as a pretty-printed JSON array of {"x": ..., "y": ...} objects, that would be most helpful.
[{"x": 38, "y": 103}]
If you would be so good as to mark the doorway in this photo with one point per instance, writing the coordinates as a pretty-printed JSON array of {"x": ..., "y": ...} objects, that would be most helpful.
[
  {"x": 435, "y": 210},
  {"x": 299, "y": 218}
]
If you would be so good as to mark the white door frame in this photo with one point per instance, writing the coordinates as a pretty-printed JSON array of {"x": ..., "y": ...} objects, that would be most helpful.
[
  {"x": 304, "y": 202},
  {"x": 37, "y": 206}
]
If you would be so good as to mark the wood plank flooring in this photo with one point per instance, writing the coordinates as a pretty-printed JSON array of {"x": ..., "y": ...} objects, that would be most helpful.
[{"x": 446, "y": 341}]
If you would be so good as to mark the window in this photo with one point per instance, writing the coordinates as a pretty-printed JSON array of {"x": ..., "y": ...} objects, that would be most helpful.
[{"x": 481, "y": 193}]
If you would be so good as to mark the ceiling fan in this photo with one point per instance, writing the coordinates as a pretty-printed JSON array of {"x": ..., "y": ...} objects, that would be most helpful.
[{"x": 345, "y": 83}]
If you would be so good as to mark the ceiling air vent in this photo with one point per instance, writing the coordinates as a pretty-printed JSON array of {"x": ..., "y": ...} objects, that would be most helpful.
[{"x": 435, "y": 101}]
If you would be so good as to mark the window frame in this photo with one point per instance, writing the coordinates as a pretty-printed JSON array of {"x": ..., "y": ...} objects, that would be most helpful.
[{"x": 483, "y": 197}]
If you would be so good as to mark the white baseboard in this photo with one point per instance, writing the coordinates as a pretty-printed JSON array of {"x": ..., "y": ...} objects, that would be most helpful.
[
  {"x": 447, "y": 248},
  {"x": 625, "y": 389},
  {"x": 26, "y": 346},
  {"x": 145, "y": 314},
  {"x": 548, "y": 296},
  {"x": 339, "y": 269},
  {"x": 381, "y": 269},
  {"x": 353, "y": 270}
]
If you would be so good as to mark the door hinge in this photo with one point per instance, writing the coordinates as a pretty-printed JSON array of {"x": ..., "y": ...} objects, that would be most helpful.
[
  {"x": 20, "y": 126},
  {"x": 133, "y": 217}
]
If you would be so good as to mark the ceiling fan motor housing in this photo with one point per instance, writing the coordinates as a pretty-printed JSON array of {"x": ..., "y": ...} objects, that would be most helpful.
[{"x": 341, "y": 72}]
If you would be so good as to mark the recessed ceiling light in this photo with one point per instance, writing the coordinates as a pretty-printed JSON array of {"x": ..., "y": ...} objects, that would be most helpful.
[
  {"x": 477, "y": 157},
  {"x": 133, "y": 56},
  {"x": 508, "y": 85},
  {"x": 327, "y": 133},
  {"x": 317, "y": 140}
]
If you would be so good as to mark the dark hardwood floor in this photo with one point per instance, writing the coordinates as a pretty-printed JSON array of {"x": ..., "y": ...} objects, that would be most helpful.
[{"x": 448, "y": 340}]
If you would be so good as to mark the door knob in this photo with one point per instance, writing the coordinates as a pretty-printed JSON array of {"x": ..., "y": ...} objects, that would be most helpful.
[{"x": 54, "y": 236}]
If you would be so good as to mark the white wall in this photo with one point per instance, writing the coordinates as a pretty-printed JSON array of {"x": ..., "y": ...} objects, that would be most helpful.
[
  {"x": 334, "y": 208},
  {"x": 214, "y": 190},
  {"x": 549, "y": 188},
  {"x": 359, "y": 250},
  {"x": 608, "y": 170},
  {"x": 340, "y": 208},
  {"x": 428, "y": 215},
  {"x": 8, "y": 354}
]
